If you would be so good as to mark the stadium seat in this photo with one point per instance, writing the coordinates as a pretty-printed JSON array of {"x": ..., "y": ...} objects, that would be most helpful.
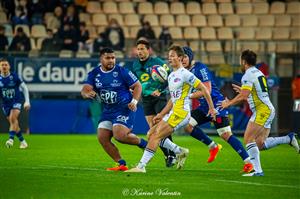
[
  {"x": 208, "y": 33},
  {"x": 293, "y": 7},
  {"x": 176, "y": 32},
  {"x": 183, "y": 20},
  {"x": 281, "y": 34},
  {"x": 126, "y": 8},
  {"x": 283, "y": 20},
  {"x": 266, "y": 20},
  {"x": 25, "y": 29},
  {"x": 3, "y": 18},
  {"x": 34, "y": 53},
  {"x": 145, "y": 8},
  {"x": 195, "y": 46},
  {"x": 215, "y": 20},
  {"x": 110, "y": 7},
  {"x": 249, "y": 20},
  {"x": 264, "y": 33},
  {"x": 8, "y": 30},
  {"x": 33, "y": 44},
  {"x": 191, "y": 33},
  {"x": 151, "y": 18},
  {"x": 199, "y": 21},
  {"x": 225, "y": 33},
  {"x": 223, "y": 1},
  {"x": 161, "y": 8},
  {"x": 132, "y": 20},
  {"x": 285, "y": 47},
  {"x": 253, "y": 45},
  {"x": 225, "y": 8},
  {"x": 260, "y": 8},
  {"x": 39, "y": 42},
  {"x": 99, "y": 20},
  {"x": 193, "y": 7},
  {"x": 101, "y": 29},
  {"x": 38, "y": 31},
  {"x": 177, "y": 8},
  {"x": 295, "y": 20},
  {"x": 82, "y": 54},
  {"x": 213, "y": 46},
  {"x": 242, "y": 1},
  {"x": 216, "y": 59},
  {"x": 167, "y": 20},
  {"x": 243, "y": 8},
  {"x": 85, "y": 17},
  {"x": 157, "y": 30},
  {"x": 133, "y": 30},
  {"x": 232, "y": 20},
  {"x": 118, "y": 17},
  {"x": 277, "y": 7},
  {"x": 126, "y": 32},
  {"x": 209, "y": 9},
  {"x": 295, "y": 34},
  {"x": 93, "y": 7},
  {"x": 246, "y": 34},
  {"x": 92, "y": 31},
  {"x": 271, "y": 46},
  {"x": 65, "y": 54}
]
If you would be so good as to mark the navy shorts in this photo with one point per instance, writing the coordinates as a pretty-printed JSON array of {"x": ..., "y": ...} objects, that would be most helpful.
[
  {"x": 123, "y": 117},
  {"x": 8, "y": 107}
]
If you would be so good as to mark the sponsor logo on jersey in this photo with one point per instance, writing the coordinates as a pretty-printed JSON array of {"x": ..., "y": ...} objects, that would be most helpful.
[
  {"x": 115, "y": 74},
  {"x": 177, "y": 80},
  {"x": 115, "y": 83}
]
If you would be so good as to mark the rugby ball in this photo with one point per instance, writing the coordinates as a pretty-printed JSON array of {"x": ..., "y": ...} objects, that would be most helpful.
[{"x": 159, "y": 74}]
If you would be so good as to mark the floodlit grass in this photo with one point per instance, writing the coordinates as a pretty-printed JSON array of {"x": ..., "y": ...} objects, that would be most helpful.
[{"x": 73, "y": 166}]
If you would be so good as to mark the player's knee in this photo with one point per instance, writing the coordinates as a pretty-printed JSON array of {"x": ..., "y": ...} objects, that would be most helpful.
[
  {"x": 188, "y": 128},
  {"x": 120, "y": 137},
  {"x": 260, "y": 143}
]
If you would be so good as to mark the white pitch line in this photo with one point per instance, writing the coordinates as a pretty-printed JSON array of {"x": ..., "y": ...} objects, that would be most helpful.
[{"x": 260, "y": 184}]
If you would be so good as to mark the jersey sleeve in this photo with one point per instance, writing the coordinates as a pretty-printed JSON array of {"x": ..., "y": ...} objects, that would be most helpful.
[
  {"x": 203, "y": 74},
  {"x": 129, "y": 77},
  {"x": 247, "y": 82},
  {"x": 191, "y": 79},
  {"x": 90, "y": 79}
]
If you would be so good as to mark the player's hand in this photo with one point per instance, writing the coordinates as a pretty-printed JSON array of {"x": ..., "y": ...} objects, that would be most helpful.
[
  {"x": 236, "y": 88},
  {"x": 156, "y": 93},
  {"x": 132, "y": 106},
  {"x": 224, "y": 104},
  {"x": 91, "y": 94},
  {"x": 26, "y": 106},
  {"x": 212, "y": 113},
  {"x": 157, "y": 118}
]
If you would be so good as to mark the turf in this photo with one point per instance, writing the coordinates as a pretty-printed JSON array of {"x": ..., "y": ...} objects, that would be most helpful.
[{"x": 73, "y": 166}]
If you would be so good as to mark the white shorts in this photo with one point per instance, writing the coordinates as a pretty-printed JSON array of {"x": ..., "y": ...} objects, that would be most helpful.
[
  {"x": 176, "y": 121},
  {"x": 263, "y": 117}
]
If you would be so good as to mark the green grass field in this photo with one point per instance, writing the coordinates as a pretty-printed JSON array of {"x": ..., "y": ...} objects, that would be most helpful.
[{"x": 73, "y": 166}]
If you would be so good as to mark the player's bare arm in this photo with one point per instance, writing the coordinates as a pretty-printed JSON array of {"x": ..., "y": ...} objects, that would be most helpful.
[
  {"x": 198, "y": 94},
  {"x": 136, "y": 94},
  {"x": 242, "y": 96},
  {"x": 236, "y": 88},
  {"x": 87, "y": 92},
  {"x": 25, "y": 91}
]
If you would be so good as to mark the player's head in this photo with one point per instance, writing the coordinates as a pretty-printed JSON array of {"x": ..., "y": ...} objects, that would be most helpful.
[
  {"x": 175, "y": 56},
  {"x": 107, "y": 58},
  {"x": 188, "y": 57},
  {"x": 4, "y": 66},
  {"x": 247, "y": 59},
  {"x": 143, "y": 49}
]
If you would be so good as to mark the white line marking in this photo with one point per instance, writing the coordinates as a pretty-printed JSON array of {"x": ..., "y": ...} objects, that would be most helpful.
[{"x": 260, "y": 184}]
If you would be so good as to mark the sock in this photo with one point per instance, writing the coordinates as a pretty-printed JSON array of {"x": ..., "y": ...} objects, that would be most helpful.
[
  {"x": 122, "y": 162},
  {"x": 271, "y": 142},
  {"x": 238, "y": 147},
  {"x": 166, "y": 143},
  {"x": 19, "y": 135},
  {"x": 171, "y": 153},
  {"x": 147, "y": 156},
  {"x": 198, "y": 134},
  {"x": 12, "y": 134},
  {"x": 143, "y": 143},
  {"x": 253, "y": 152}
]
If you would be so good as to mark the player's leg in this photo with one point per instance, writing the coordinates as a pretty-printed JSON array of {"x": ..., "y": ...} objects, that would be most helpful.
[
  {"x": 224, "y": 130},
  {"x": 170, "y": 156},
  {"x": 198, "y": 118},
  {"x": 253, "y": 131},
  {"x": 10, "y": 142}
]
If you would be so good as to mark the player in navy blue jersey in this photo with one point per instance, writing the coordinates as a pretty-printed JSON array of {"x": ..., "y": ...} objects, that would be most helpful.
[
  {"x": 119, "y": 91},
  {"x": 11, "y": 89},
  {"x": 199, "y": 115}
]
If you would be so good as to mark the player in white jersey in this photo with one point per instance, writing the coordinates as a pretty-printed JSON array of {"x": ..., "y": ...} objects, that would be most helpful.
[
  {"x": 176, "y": 113},
  {"x": 254, "y": 89}
]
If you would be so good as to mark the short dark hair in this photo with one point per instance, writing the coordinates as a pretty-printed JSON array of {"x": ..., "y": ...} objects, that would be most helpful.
[
  {"x": 249, "y": 57},
  {"x": 143, "y": 41},
  {"x": 178, "y": 49},
  {"x": 106, "y": 50},
  {"x": 3, "y": 59}
]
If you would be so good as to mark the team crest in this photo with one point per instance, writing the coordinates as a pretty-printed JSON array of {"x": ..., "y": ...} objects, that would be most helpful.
[{"x": 115, "y": 74}]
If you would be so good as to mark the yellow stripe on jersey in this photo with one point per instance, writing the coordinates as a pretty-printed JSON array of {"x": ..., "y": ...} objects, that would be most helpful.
[
  {"x": 245, "y": 87},
  {"x": 196, "y": 83},
  {"x": 179, "y": 104},
  {"x": 262, "y": 110}
]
